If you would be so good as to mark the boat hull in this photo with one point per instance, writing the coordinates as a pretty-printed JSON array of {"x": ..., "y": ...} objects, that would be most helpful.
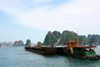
[
  {"x": 92, "y": 58},
  {"x": 45, "y": 50},
  {"x": 97, "y": 57}
]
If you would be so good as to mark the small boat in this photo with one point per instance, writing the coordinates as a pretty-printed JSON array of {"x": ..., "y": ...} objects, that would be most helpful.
[{"x": 86, "y": 52}]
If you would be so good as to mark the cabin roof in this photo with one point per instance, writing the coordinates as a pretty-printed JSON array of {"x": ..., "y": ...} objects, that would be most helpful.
[
  {"x": 86, "y": 47},
  {"x": 70, "y": 42}
]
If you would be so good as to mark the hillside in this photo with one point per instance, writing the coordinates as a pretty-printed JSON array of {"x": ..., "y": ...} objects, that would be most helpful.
[
  {"x": 18, "y": 43},
  {"x": 57, "y": 38},
  {"x": 28, "y": 43},
  {"x": 96, "y": 37},
  {"x": 6, "y": 43},
  {"x": 67, "y": 36},
  {"x": 52, "y": 38}
]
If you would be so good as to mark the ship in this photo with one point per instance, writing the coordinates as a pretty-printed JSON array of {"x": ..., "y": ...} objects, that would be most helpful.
[
  {"x": 72, "y": 48},
  {"x": 85, "y": 52},
  {"x": 46, "y": 50}
]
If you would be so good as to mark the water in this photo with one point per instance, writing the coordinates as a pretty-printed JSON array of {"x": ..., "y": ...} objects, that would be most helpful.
[{"x": 18, "y": 57}]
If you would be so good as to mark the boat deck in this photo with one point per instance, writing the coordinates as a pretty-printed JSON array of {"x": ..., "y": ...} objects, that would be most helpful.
[{"x": 48, "y": 50}]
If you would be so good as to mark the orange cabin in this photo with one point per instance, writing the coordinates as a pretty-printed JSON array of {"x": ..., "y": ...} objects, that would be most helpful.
[{"x": 70, "y": 44}]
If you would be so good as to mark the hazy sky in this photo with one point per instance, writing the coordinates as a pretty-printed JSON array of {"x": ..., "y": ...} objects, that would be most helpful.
[{"x": 32, "y": 19}]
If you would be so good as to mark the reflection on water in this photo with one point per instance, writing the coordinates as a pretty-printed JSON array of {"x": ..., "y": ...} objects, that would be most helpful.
[{"x": 18, "y": 57}]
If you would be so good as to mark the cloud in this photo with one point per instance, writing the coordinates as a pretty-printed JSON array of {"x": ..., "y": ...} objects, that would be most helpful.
[{"x": 81, "y": 15}]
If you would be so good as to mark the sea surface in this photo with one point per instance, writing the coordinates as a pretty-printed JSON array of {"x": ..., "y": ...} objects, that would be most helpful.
[{"x": 18, "y": 57}]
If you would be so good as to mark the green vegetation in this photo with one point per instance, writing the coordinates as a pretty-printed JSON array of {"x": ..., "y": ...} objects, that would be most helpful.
[
  {"x": 39, "y": 43},
  {"x": 90, "y": 39},
  {"x": 51, "y": 38},
  {"x": 83, "y": 39},
  {"x": 18, "y": 43},
  {"x": 28, "y": 42},
  {"x": 57, "y": 38},
  {"x": 68, "y": 36},
  {"x": 95, "y": 38}
]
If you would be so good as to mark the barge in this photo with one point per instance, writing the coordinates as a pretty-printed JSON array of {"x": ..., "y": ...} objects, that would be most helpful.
[
  {"x": 72, "y": 49},
  {"x": 46, "y": 50}
]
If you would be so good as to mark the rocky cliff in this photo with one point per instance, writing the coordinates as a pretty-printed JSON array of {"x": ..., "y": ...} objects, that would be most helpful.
[
  {"x": 28, "y": 43},
  {"x": 94, "y": 38},
  {"x": 18, "y": 43},
  {"x": 52, "y": 38},
  {"x": 57, "y": 38}
]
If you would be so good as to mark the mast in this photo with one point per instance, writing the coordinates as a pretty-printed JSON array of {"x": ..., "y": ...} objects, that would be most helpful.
[{"x": 77, "y": 38}]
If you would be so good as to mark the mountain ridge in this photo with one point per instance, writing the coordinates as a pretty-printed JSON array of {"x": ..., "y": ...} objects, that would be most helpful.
[{"x": 57, "y": 38}]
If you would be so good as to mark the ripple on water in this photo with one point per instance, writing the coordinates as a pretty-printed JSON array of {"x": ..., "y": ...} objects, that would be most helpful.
[{"x": 18, "y": 57}]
